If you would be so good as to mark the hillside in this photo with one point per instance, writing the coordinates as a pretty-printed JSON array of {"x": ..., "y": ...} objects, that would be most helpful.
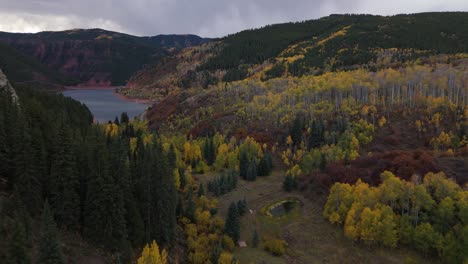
[
  {"x": 336, "y": 42},
  {"x": 337, "y": 140},
  {"x": 93, "y": 57}
]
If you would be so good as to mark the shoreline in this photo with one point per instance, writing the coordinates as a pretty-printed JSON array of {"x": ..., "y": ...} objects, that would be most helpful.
[
  {"x": 140, "y": 101},
  {"x": 114, "y": 88},
  {"x": 91, "y": 87}
]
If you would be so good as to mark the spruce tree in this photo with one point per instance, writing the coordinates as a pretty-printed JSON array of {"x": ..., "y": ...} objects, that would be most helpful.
[
  {"x": 121, "y": 174},
  {"x": 49, "y": 245},
  {"x": 251, "y": 171},
  {"x": 104, "y": 210},
  {"x": 28, "y": 186},
  {"x": 255, "y": 239},
  {"x": 289, "y": 183},
  {"x": 63, "y": 181},
  {"x": 201, "y": 190},
  {"x": 243, "y": 164},
  {"x": 265, "y": 165},
  {"x": 180, "y": 207},
  {"x": 232, "y": 225},
  {"x": 165, "y": 195},
  {"x": 18, "y": 248},
  {"x": 316, "y": 136},
  {"x": 124, "y": 118},
  {"x": 242, "y": 207},
  {"x": 209, "y": 152},
  {"x": 296, "y": 131},
  {"x": 190, "y": 211},
  {"x": 215, "y": 253}
]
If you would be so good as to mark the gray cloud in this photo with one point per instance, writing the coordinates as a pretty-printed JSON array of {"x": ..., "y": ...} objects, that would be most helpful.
[{"x": 211, "y": 18}]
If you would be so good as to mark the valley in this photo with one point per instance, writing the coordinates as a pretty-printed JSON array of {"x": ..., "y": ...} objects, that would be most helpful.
[{"x": 342, "y": 139}]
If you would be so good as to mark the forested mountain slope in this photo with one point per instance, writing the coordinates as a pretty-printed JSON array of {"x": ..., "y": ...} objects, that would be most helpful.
[
  {"x": 86, "y": 57},
  {"x": 355, "y": 125},
  {"x": 336, "y": 42}
]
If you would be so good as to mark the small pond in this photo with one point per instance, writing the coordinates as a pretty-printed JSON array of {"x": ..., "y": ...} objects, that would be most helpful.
[{"x": 284, "y": 207}]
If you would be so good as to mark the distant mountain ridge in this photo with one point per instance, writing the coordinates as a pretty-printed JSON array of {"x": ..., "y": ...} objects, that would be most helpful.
[
  {"x": 332, "y": 43},
  {"x": 88, "y": 57}
]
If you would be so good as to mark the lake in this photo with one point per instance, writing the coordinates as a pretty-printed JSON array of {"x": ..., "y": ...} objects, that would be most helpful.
[{"x": 105, "y": 104}]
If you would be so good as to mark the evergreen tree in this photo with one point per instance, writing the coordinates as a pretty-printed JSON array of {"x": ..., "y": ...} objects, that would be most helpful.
[
  {"x": 296, "y": 131},
  {"x": 289, "y": 183},
  {"x": 190, "y": 212},
  {"x": 124, "y": 118},
  {"x": 251, "y": 171},
  {"x": 323, "y": 162},
  {"x": 316, "y": 135},
  {"x": 18, "y": 249},
  {"x": 104, "y": 211},
  {"x": 255, "y": 239},
  {"x": 49, "y": 245},
  {"x": 182, "y": 178},
  {"x": 233, "y": 181},
  {"x": 180, "y": 207},
  {"x": 265, "y": 165},
  {"x": 27, "y": 184},
  {"x": 215, "y": 253},
  {"x": 232, "y": 225},
  {"x": 63, "y": 181},
  {"x": 209, "y": 152},
  {"x": 242, "y": 207},
  {"x": 166, "y": 195},
  {"x": 201, "y": 190},
  {"x": 243, "y": 164}
]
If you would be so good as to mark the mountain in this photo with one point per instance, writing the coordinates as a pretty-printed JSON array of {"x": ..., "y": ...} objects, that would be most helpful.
[
  {"x": 85, "y": 57},
  {"x": 336, "y": 42}
]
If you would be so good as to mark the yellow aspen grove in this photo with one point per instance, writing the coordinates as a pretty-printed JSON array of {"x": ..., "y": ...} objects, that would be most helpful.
[{"x": 152, "y": 255}]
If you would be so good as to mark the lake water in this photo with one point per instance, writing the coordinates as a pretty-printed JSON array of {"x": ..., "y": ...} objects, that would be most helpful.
[{"x": 105, "y": 104}]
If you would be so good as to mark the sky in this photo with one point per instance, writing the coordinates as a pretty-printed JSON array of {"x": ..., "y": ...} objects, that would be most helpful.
[{"x": 207, "y": 18}]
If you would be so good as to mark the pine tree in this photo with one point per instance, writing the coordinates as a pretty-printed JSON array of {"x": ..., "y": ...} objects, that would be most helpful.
[
  {"x": 27, "y": 184},
  {"x": 242, "y": 207},
  {"x": 289, "y": 183},
  {"x": 265, "y": 165},
  {"x": 252, "y": 171},
  {"x": 49, "y": 245},
  {"x": 17, "y": 248},
  {"x": 209, "y": 152},
  {"x": 190, "y": 212},
  {"x": 124, "y": 118},
  {"x": 243, "y": 164},
  {"x": 296, "y": 131},
  {"x": 104, "y": 211},
  {"x": 120, "y": 172},
  {"x": 316, "y": 136},
  {"x": 233, "y": 181},
  {"x": 201, "y": 190},
  {"x": 232, "y": 225},
  {"x": 215, "y": 253},
  {"x": 255, "y": 239},
  {"x": 63, "y": 181},
  {"x": 166, "y": 195},
  {"x": 323, "y": 162},
  {"x": 180, "y": 207}
]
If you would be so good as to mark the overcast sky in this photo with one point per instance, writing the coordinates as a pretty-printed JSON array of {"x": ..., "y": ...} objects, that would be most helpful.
[{"x": 207, "y": 18}]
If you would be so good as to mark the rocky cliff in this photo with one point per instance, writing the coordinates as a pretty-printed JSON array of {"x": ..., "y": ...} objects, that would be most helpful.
[{"x": 6, "y": 86}]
